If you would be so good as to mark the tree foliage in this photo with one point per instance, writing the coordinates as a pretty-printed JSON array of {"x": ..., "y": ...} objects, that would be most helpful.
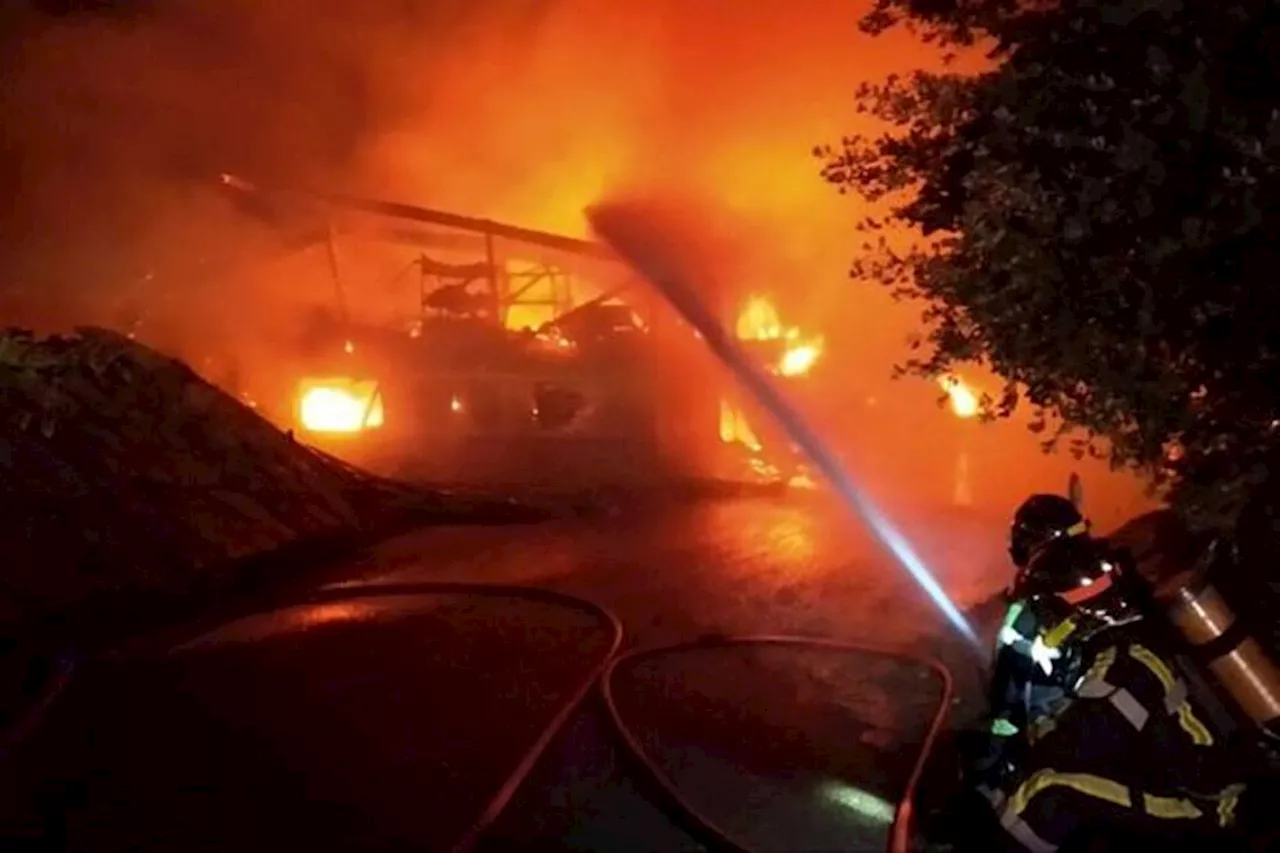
[{"x": 1101, "y": 221}]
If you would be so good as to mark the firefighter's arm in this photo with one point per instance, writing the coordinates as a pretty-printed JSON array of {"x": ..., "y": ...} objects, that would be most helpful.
[{"x": 1014, "y": 667}]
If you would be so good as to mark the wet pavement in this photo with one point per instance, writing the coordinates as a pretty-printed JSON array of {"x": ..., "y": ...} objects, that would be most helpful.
[
  {"x": 335, "y": 730},
  {"x": 784, "y": 751},
  {"x": 797, "y": 564},
  {"x": 375, "y": 723}
]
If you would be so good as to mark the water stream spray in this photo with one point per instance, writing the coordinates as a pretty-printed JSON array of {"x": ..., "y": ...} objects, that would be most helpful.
[{"x": 623, "y": 229}]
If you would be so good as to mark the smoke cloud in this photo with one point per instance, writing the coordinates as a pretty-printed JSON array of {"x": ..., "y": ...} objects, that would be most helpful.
[{"x": 119, "y": 119}]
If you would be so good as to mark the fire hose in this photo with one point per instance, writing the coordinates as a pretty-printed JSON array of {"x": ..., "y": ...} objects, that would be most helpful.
[
  {"x": 601, "y": 675},
  {"x": 703, "y": 828}
]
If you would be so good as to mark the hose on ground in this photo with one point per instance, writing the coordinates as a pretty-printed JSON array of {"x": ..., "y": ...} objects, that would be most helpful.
[
  {"x": 601, "y": 675},
  {"x": 705, "y": 830},
  {"x": 35, "y": 713}
]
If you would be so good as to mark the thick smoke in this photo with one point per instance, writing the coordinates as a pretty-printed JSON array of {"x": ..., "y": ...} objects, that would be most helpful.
[
  {"x": 117, "y": 122},
  {"x": 517, "y": 109}
]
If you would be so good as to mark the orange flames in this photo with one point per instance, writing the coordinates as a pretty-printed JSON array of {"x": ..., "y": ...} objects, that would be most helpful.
[
  {"x": 759, "y": 321},
  {"x": 734, "y": 427},
  {"x": 964, "y": 402},
  {"x": 340, "y": 405}
]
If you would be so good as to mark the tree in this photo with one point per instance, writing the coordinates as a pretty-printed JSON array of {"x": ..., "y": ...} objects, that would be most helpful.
[{"x": 1100, "y": 212}]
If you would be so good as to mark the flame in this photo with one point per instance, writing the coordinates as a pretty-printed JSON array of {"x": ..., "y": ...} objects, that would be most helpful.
[
  {"x": 455, "y": 404},
  {"x": 799, "y": 360},
  {"x": 734, "y": 427},
  {"x": 759, "y": 321},
  {"x": 963, "y": 401},
  {"x": 340, "y": 405}
]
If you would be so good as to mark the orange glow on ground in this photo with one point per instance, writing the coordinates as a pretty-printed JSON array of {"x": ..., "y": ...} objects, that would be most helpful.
[{"x": 340, "y": 405}]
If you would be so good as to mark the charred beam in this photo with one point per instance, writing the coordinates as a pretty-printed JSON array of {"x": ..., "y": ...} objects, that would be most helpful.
[{"x": 414, "y": 213}]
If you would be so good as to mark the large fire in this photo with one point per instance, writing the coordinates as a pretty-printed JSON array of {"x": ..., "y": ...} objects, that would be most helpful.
[{"x": 340, "y": 405}]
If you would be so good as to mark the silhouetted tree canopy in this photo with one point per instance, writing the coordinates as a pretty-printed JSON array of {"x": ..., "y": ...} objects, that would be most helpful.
[{"x": 1102, "y": 220}]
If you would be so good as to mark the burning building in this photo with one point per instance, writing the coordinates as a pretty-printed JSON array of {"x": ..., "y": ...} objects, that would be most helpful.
[{"x": 522, "y": 356}]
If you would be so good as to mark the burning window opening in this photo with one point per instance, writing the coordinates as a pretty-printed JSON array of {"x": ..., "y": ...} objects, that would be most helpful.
[
  {"x": 964, "y": 402},
  {"x": 340, "y": 405}
]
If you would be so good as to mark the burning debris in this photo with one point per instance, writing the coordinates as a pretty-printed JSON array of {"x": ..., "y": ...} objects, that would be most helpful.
[
  {"x": 340, "y": 405},
  {"x": 796, "y": 354},
  {"x": 785, "y": 352},
  {"x": 120, "y": 467}
]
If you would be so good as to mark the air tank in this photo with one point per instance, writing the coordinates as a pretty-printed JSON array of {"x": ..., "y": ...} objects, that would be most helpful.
[
  {"x": 1223, "y": 646},
  {"x": 1174, "y": 566}
]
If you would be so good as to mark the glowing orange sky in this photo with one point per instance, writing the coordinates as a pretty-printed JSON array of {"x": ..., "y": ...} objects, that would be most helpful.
[{"x": 524, "y": 112}]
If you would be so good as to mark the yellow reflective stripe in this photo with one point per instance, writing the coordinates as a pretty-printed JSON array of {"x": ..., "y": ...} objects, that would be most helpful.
[
  {"x": 1227, "y": 802},
  {"x": 1170, "y": 808},
  {"x": 1102, "y": 663},
  {"x": 1078, "y": 528},
  {"x": 1166, "y": 808},
  {"x": 1085, "y": 783},
  {"x": 1198, "y": 731},
  {"x": 1158, "y": 668},
  {"x": 1058, "y": 635}
]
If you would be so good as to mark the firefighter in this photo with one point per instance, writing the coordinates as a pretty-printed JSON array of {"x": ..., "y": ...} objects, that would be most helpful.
[
  {"x": 1024, "y": 684},
  {"x": 1127, "y": 752}
]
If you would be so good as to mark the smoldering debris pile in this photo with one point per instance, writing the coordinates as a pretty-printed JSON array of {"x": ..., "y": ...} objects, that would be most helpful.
[{"x": 121, "y": 468}]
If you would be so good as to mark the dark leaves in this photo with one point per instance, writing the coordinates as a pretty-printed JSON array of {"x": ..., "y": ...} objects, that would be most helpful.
[{"x": 1102, "y": 213}]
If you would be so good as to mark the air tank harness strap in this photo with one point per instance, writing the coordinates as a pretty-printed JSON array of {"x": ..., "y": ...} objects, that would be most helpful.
[
  {"x": 1175, "y": 695},
  {"x": 1095, "y": 686}
]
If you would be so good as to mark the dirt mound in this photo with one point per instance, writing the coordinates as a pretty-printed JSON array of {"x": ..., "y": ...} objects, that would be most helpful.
[{"x": 121, "y": 467}]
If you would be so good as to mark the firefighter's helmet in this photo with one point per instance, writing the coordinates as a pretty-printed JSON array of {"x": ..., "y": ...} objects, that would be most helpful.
[
  {"x": 1077, "y": 588},
  {"x": 1041, "y": 519}
]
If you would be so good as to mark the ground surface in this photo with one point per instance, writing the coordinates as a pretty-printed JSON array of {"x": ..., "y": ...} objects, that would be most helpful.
[
  {"x": 795, "y": 564},
  {"x": 337, "y": 731}
]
